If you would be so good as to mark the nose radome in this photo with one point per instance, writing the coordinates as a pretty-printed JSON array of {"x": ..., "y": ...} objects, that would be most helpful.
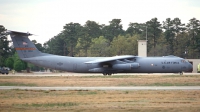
[{"x": 190, "y": 67}]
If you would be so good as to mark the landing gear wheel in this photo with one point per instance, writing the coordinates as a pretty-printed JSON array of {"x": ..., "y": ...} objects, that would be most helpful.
[
  {"x": 181, "y": 73},
  {"x": 104, "y": 74},
  {"x": 110, "y": 74}
]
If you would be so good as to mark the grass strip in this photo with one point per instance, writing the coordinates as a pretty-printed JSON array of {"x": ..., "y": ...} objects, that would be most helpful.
[
  {"x": 16, "y": 84},
  {"x": 65, "y": 104}
]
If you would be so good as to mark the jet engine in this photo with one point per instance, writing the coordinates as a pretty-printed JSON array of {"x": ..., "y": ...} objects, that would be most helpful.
[{"x": 127, "y": 66}]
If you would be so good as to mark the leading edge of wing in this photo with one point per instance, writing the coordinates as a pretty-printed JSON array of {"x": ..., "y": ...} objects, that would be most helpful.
[
  {"x": 106, "y": 59},
  {"x": 19, "y": 33}
]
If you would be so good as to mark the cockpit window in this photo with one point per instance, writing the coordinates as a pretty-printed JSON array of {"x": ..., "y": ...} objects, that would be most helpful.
[{"x": 183, "y": 61}]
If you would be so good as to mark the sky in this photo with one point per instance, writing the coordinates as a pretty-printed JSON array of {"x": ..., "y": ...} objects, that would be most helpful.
[{"x": 46, "y": 18}]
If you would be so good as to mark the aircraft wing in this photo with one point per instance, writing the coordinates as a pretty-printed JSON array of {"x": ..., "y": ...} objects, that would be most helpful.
[{"x": 107, "y": 59}]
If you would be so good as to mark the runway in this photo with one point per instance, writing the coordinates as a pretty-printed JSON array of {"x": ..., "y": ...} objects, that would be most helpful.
[
  {"x": 49, "y": 74},
  {"x": 104, "y": 88}
]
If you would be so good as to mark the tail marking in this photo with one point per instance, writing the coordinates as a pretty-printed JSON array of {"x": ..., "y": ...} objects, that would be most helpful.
[{"x": 21, "y": 48}]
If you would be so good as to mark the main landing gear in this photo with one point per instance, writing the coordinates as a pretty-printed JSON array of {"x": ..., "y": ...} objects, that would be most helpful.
[
  {"x": 107, "y": 74},
  {"x": 181, "y": 73}
]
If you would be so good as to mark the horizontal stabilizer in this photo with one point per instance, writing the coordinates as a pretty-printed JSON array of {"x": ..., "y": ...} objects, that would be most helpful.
[{"x": 18, "y": 33}]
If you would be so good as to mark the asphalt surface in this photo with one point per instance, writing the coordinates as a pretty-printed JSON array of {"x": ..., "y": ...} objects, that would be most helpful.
[
  {"x": 104, "y": 88},
  {"x": 88, "y": 74}
]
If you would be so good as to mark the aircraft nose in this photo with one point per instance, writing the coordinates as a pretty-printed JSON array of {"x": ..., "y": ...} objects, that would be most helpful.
[{"x": 190, "y": 67}]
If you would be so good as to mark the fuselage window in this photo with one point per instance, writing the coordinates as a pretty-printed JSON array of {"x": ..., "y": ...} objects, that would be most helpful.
[{"x": 183, "y": 61}]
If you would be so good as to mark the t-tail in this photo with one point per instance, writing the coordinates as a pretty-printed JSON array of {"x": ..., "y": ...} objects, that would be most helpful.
[{"x": 24, "y": 47}]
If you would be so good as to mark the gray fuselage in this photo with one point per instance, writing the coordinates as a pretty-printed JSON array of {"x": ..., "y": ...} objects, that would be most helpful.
[{"x": 145, "y": 64}]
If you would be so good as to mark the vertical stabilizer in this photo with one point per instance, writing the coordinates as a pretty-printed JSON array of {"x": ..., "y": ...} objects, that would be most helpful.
[{"x": 24, "y": 47}]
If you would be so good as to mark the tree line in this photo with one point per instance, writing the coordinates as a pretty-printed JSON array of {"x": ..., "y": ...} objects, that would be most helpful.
[{"x": 170, "y": 37}]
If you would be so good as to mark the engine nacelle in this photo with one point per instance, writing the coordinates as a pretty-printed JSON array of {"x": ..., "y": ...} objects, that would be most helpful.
[{"x": 127, "y": 66}]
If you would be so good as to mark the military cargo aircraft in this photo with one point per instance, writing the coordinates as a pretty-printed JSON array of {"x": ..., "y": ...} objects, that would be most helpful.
[{"x": 106, "y": 65}]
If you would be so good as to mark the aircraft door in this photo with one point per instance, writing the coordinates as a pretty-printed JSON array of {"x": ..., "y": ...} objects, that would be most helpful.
[{"x": 74, "y": 67}]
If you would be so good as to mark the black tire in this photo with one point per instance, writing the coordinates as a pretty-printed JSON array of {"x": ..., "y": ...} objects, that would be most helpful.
[{"x": 104, "y": 74}]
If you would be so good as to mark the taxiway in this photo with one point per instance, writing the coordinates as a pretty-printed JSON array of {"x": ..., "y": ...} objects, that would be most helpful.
[
  {"x": 104, "y": 88},
  {"x": 49, "y": 74}
]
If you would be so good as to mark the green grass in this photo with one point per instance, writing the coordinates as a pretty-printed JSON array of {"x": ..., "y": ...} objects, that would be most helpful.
[
  {"x": 162, "y": 84},
  {"x": 15, "y": 84},
  {"x": 65, "y": 104},
  {"x": 81, "y": 92}
]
